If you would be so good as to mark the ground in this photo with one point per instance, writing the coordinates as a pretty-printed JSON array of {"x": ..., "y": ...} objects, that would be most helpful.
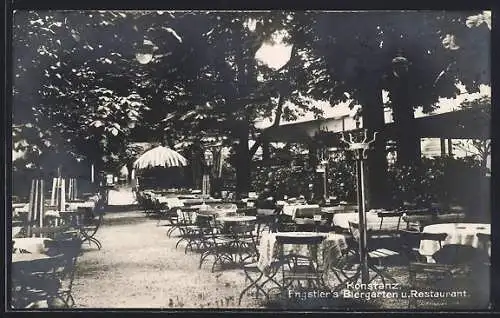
[{"x": 139, "y": 267}]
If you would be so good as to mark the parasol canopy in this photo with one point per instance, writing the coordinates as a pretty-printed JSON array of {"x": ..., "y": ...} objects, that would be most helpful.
[{"x": 160, "y": 157}]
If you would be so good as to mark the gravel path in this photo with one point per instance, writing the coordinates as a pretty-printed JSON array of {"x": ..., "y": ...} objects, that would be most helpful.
[{"x": 139, "y": 267}]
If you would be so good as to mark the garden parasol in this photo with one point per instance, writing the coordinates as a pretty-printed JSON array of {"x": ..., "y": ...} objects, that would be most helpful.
[{"x": 160, "y": 157}]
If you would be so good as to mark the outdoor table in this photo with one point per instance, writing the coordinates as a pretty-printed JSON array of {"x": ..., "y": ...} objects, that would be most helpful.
[
  {"x": 291, "y": 209},
  {"x": 330, "y": 251},
  {"x": 237, "y": 219},
  {"x": 18, "y": 205},
  {"x": 172, "y": 202},
  {"x": 20, "y": 210},
  {"x": 333, "y": 244},
  {"x": 75, "y": 205},
  {"x": 16, "y": 230},
  {"x": 458, "y": 233},
  {"x": 74, "y": 217},
  {"x": 31, "y": 244},
  {"x": 336, "y": 209},
  {"x": 342, "y": 220},
  {"x": 29, "y": 257}
]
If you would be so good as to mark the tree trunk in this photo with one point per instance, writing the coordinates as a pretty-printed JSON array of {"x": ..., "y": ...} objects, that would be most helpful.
[
  {"x": 313, "y": 163},
  {"x": 261, "y": 139},
  {"x": 243, "y": 164},
  {"x": 407, "y": 137},
  {"x": 376, "y": 164},
  {"x": 130, "y": 167},
  {"x": 265, "y": 151}
]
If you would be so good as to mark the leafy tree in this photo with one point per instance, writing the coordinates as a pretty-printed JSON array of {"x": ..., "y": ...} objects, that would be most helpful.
[
  {"x": 417, "y": 65},
  {"x": 77, "y": 80},
  {"x": 480, "y": 149}
]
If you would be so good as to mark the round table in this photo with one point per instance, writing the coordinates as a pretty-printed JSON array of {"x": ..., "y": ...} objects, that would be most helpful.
[
  {"x": 31, "y": 244},
  {"x": 29, "y": 257},
  {"x": 237, "y": 219},
  {"x": 73, "y": 216},
  {"x": 458, "y": 233}
]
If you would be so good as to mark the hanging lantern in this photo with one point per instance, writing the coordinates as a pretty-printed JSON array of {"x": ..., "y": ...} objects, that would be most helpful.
[
  {"x": 400, "y": 65},
  {"x": 145, "y": 52}
]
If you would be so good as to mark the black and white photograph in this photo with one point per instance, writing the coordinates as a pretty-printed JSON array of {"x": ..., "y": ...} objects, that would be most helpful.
[{"x": 275, "y": 160}]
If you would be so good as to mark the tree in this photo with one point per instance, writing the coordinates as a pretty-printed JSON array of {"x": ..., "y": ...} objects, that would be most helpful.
[
  {"x": 231, "y": 96},
  {"x": 81, "y": 90},
  {"x": 417, "y": 65},
  {"x": 480, "y": 149}
]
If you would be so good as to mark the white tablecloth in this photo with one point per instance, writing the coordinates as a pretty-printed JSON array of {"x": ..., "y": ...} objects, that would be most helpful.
[
  {"x": 20, "y": 208},
  {"x": 31, "y": 244},
  {"x": 332, "y": 247},
  {"x": 171, "y": 202},
  {"x": 458, "y": 233},
  {"x": 16, "y": 230},
  {"x": 372, "y": 221},
  {"x": 76, "y": 205},
  {"x": 291, "y": 209}
]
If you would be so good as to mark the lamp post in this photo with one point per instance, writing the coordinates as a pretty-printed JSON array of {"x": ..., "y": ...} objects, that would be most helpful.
[
  {"x": 209, "y": 161},
  {"x": 359, "y": 149}
]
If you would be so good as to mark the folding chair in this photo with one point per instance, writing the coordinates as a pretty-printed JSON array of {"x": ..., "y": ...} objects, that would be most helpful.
[
  {"x": 377, "y": 257},
  {"x": 452, "y": 262},
  {"x": 298, "y": 267}
]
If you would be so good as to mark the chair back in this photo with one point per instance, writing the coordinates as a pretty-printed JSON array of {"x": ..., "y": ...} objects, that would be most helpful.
[
  {"x": 247, "y": 211},
  {"x": 386, "y": 214},
  {"x": 354, "y": 229},
  {"x": 457, "y": 254},
  {"x": 307, "y": 212},
  {"x": 300, "y": 240},
  {"x": 204, "y": 221},
  {"x": 305, "y": 225},
  {"x": 437, "y": 237},
  {"x": 484, "y": 242},
  {"x": 310, "y": 241},
  {"x": 242, "y": 229},
  {"x": 410, "y": 240}
]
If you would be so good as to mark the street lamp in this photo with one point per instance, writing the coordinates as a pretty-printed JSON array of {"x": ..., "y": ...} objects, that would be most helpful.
[
  {"x": 399, "y": 65},
  {"x": 359, "y": 149},
  {"x": 209, "y": 161},
  {"x": 145, "y": 51}
]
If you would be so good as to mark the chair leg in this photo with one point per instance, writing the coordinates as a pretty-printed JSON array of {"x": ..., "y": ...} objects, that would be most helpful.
[{"x": 253, "y": 283}]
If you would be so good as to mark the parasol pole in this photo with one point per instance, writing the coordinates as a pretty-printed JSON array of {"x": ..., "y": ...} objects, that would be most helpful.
[
  {"x": 63, "y": 195},
  {"x": 53, "y": 194},
  {"x": 31, "y": 207},
  {"x": 40, "y": 210},
  {"x": 75, "y": 189}
]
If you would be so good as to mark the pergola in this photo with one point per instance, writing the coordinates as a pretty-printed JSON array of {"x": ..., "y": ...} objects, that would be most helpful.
[
  {"x": 461, "y": 124},
  {"x": 473, "y": 123}
]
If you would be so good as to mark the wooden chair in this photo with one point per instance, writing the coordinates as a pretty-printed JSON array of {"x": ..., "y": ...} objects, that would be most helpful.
[
  {"x": 451, "y": 261},
  {"x": 410, "y": 242},
  {"x": 216, "y": 244},
  {"x": 91, "y": 225},
  {"x": 180, "y": 220},
  {"x": 299, "y": 268},
  {"x": 65, "y": 272},
  {"x": 377, "y": 257}
]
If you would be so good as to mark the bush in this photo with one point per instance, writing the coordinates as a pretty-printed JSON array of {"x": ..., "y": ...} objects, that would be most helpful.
[
  {"x": 445, "y": 180},
  {"x": 293, "y": 181}
]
